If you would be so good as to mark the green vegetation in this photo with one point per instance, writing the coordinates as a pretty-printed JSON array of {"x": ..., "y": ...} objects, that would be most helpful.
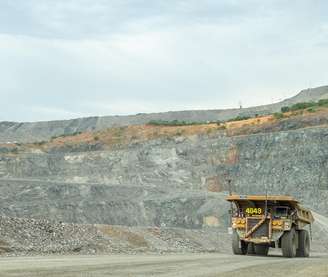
[
  {"x": 173, "y": 123},
  {"x": 278, "y": 115},
  {"x": 182, "y": 123},
  {"x": 302, "y": 106},
  {"x": 323, "y": 102},
  {"x": 285, "y": 109},
  {"x": 310, "y": 106},
  {"x": 239, "y": 118},
  {"x": 311, "y": 110},
  {"x": 296, "y": 109},
  {"x": 66, "y": 135}
]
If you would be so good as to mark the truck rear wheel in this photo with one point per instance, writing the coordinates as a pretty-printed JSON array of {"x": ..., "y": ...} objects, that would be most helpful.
[
  {"x": 239, "y": 247},
  {"x": 303, "y": 244},
  {"x": 289, "y": 243},
  {"x": 261, "y": 249}
]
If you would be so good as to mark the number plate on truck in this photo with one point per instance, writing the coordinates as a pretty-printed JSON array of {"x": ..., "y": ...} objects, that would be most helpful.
[{"x": 253, "y": 211}]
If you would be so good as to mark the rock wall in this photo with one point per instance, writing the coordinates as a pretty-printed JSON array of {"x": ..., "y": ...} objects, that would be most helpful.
[
  {"x": 106, "y": 204},
  {"x": 173, "y": 182}
]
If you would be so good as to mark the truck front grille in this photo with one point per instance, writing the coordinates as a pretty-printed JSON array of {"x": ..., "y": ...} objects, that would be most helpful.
[{"x": 262, "y": 231}]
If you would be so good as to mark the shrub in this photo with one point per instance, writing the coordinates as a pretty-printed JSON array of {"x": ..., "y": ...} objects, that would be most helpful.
[
  {"x": 305, "y": 105},
  {"x": 302, "y": 106},
  {"x": 239, "y": 118},
  {"x": 311, "y": 110},
  {"x": 285, "y": 109},
  {"x": 323, "y": 102},
  {"x": 66, "y": 135},
  {"x": 172, "y": 123},
  {"x": 278, "y": 115}
]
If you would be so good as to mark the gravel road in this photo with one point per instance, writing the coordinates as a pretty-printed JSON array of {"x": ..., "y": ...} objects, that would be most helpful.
[{"x": 207, "y": 265}]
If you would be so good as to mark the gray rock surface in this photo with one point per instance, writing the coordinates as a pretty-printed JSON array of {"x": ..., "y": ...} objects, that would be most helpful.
[
  {"x": 21, "y": 236},
  {"x": 106, "y": 204},
  {"x": 166, "y": 182},
  {"x": 39, "y": 131},
  {"x": 154, "y": 186}
]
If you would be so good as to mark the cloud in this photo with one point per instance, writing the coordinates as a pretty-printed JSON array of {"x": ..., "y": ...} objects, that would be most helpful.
[{"x": 64, "y": 59}]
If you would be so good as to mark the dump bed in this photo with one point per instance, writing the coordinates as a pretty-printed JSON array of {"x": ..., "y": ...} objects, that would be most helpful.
[{"x": 304, "y": 215}]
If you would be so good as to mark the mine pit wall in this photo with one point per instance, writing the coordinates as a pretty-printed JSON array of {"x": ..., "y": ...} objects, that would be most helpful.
[
  {"x": 294, "y": 163},
  {"x": 173, "y": 182},
  {"x": 106, "y": 204}
]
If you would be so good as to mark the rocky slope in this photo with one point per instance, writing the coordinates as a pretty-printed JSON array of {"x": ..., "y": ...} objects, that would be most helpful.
[
  {"x": 20, "y": 236},
  {"x": 174, "y": 181},
  {"x": 165, "y": 185},
  {"x": 39, "y": 131}
]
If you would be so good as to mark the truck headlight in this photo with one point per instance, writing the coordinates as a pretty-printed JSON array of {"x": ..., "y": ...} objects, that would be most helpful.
[{"x": 287, "y": 225}]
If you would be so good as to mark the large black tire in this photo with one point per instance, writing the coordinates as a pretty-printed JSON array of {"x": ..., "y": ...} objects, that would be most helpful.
[
  {"x": 238, "y": 248},
  {"x": 250, "y": 248},
  {"x": 303, "y": 249},
  {"x": 289, "y": 243},
  {"x": 261, "y": 249}
]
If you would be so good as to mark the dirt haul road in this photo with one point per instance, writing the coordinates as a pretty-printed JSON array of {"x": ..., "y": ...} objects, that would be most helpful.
[{"x": 164, "y": 265}]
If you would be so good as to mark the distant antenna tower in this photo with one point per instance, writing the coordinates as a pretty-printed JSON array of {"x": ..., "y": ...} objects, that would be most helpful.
[{"x": 240, "y": 105}]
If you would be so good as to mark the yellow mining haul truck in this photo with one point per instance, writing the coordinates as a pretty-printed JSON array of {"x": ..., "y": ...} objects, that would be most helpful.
[{"x": 260, "y": 221}]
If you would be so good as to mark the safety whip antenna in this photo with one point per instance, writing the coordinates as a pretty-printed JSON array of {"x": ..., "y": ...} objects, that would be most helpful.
[{"x": 266, "y": 200}]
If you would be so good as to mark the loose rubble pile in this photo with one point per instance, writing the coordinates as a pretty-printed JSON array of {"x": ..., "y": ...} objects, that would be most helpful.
[
  {"x": 21, "y": 236},
  {"x": 28, "y": 236}
]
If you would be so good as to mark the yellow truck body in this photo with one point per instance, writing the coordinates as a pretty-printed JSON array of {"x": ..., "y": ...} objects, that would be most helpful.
[{"x": 262, "y": 221}]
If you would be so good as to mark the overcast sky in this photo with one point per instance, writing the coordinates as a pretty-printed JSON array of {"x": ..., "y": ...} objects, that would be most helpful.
[{"x": 62, "y": 59}]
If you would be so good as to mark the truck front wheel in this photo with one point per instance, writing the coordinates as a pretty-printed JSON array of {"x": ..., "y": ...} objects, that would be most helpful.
[
  {"x": 239, "y": 247},
  {"x": 289, "y": 243}
]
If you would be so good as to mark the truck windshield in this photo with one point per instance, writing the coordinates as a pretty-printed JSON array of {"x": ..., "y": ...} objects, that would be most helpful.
[{"x": 280, "y": 211}]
